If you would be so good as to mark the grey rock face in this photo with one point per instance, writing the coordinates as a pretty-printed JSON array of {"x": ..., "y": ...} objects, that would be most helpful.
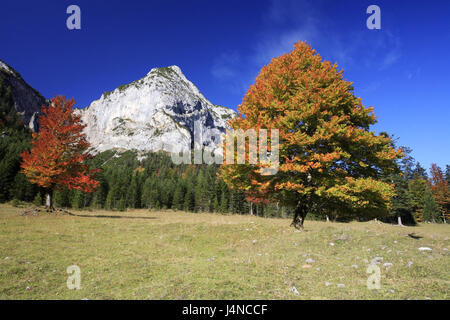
[
  {"x": 157, "y": 112},
  {"x": 27, "y": 100}
]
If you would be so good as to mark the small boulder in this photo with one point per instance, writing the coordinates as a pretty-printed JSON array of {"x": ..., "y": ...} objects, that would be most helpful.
[{"x": 376, "y": 260}]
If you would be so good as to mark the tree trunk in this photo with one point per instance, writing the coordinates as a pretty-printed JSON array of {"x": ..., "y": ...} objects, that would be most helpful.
[
  {"x": 400, "y": 221},
  {"x": 251, "y": 208},
  {"x": 48, "y": 202},
  {"x": 328, "y": 219},
  {"x": 299, "y": 217}
]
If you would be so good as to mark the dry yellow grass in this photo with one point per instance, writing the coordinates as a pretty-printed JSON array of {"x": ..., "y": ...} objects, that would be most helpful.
[{"x": 178, "y": 255}]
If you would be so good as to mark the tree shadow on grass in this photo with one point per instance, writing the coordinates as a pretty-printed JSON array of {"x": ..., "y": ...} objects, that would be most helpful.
[{"x": 106, "y": 216}]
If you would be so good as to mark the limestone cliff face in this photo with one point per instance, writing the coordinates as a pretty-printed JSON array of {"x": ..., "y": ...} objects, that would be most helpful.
[
  {"x": 27, "y": 101},
  {"x": 157, "y": 112}
]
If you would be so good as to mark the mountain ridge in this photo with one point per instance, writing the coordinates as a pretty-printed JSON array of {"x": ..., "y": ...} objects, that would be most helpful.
[
  {"x": 155, "y": 112},
  {"x": 27, "y": 100},
  {"x": 161, "y": 111}
]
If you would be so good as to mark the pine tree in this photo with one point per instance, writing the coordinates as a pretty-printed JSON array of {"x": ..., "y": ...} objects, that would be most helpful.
[
  {"x": 61, "y": 198},
  {"x": 189, "y": 199},
  {"x": 238, "y": 203},
  {"x": 37, "y": 200},
  {"x": 201, "y": 197},
  {"x": 430, "y": 207},
  {"x": 145, "y": 196},
  {"x": 109, "y": 203},
  {"x": 402, "y": 202},
  {"x": 101, "y": 193},
  {"x": 14, "y": 139},
  {"x": 77, "y": 199},
  {"x": 133, "y": 193},
  {"x": 166, "y": 193},
  {"x": 178, "y": 197},
  {"x": 121, "y": 205},
  {"x": 417, "y": 189},
  {"x": 420, "y": 172},
  {"x": 225, "y": 199},
  {"x": 23, "y": 189}
]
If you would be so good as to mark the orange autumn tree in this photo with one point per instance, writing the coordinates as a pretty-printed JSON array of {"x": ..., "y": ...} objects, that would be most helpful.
[
  {"x": 440, "y": 190},
  {"x": 59, "y": 150},
  {"x": 329, "y": 161}
]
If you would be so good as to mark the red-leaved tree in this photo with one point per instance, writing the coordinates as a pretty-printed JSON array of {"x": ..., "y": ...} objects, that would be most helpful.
[
  {"x": 439, "y": 189},
  {"x": 59, "y": 151}
]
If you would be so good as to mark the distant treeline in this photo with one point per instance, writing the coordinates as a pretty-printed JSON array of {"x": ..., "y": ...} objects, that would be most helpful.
[{"x": 152, "y": 181}]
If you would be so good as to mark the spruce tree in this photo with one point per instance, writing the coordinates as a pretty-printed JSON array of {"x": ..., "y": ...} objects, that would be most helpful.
[
  {"x": 420, "y": 172},
  {"x": 430, "y": 207},
  {"x": 77, "y": 199},
  {"x": 416, "y": 189},
  {"x": 14, "y": 139},
  {"x": 109, "y": 203},
  {"x": 61, "y": 198},
  {"x": 178, "y": 197},
  {"x": 37, "y": 200},
  {"x": 225, "y": 199},
  {"x": 201, "y": 197},
  {"x": 121, "y": 205},
  {"x": 189, "y": 199}
]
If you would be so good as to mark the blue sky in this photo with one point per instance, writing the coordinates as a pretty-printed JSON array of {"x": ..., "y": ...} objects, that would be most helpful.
[{"x": 403, "y": 70}]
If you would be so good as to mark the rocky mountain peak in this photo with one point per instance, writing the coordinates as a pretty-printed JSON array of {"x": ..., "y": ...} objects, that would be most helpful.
[{"x": 156, "y": 112}]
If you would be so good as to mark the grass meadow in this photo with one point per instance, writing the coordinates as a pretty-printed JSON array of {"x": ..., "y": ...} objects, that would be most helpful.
[{"x": 145, "y": 254}]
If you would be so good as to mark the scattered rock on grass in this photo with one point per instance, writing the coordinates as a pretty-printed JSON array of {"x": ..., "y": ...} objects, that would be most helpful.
[
  {"x": 295, "y": 291},
  {"x": 340, "y": 285},
  {"x": 376, "y": 260},
  {"x": 425, "y": 249}
]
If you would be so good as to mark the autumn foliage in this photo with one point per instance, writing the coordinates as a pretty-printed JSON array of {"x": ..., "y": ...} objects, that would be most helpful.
[
  {"x": 329, "y": 159},
  {"x": 59, "y": 150},
  {"x": 440, "y": 190}
]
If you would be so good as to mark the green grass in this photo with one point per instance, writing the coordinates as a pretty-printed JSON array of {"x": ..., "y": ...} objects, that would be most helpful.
[{"x": 178, "y": 255}]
